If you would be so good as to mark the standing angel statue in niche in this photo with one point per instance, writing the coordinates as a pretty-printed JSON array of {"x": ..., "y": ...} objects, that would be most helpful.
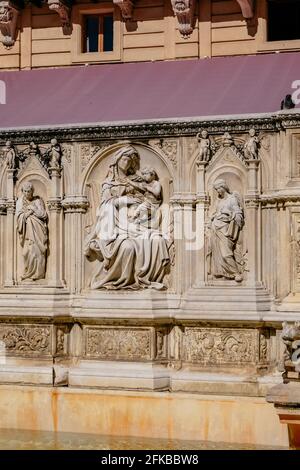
[
  {"x": 33, "y": 233},
  {"x": 127, "y": 239},
  {"x": 225, "y": 260}
]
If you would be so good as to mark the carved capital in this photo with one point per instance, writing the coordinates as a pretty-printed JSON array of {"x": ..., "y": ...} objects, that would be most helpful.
[
  {"x": 54, "y": 205},
  {"x": 3, "y": 206},
  {"x": 63, "y": 9},
  {"x": 247, "y": 7},
  {"x": 126, "y": 7},
  {"x": 75, "y": 204},
  {"x": 8, "y": 22},
  {"x": 252, "y": 202},
  {"x": 11, "y": 206},
  {"x": 184, "y": 11}
]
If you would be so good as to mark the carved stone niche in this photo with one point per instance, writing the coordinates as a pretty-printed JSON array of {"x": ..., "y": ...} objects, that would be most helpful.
[
  {"x": 126, "y": 7},
  {"x": 9, "y": 13},
  {"x": 184, "y": 11},
  {"x": 63, "y": 9},
  {"x": 133, "y": 206}
]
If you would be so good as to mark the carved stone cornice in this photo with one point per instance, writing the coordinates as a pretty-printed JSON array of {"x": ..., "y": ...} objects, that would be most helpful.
[
  {"x": 63, "y": 9},
  {"x": 54, "y": 204},
  {"x": 247, "y": 7},
  {"x": 126, "y": 7},
  {"x": 184, "y": 11},
  {"x": 75, "y": 204},
  {"x": 138, "y": 130},
  {"x": 9, "y": 13}
]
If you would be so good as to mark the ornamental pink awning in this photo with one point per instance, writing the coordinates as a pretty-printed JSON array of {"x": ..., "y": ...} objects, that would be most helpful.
[{"x": 149, "y": 90}]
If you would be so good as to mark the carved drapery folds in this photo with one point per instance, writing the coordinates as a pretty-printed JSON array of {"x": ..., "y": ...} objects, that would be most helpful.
[
  {"x": 9, "y": 13},
  {"x": 128, "y": 226},
  {"x": 126, "y": 7},
  {"x": 184, "y": 11},
  {"x": 63, "y": 9},
  {"x": 32, "y": 227},
  {"x": 224, "y": 254}
]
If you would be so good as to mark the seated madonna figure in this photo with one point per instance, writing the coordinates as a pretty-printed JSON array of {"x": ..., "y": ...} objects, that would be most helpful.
[{"x": 132, "y": 255}]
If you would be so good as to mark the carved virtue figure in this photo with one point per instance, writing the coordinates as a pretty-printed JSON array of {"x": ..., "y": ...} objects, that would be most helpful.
[
  {"x": 205, "y": 146},
  {"x": 226, "y": 224},
  {"x": 10, "y": 155},
  {"x": 33, "y": 233},
  {"x": 132, "y": 255},
  {"x": 251, "y": 146}
]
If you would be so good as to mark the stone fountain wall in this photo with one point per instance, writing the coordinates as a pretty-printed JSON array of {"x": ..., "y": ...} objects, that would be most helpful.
[{"x": 227, "y": 243}]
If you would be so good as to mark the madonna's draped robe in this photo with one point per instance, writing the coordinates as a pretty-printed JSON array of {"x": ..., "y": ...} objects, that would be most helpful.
[{"x": 132, "y": 255}]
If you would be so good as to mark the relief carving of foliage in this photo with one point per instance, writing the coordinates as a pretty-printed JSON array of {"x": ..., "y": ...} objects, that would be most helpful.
[
  {"x": 26, "y": 339},
  {"x": 216, "y": 346},
  {"x": 118, "y": 343},
  {"x": 168, "y": 146}
]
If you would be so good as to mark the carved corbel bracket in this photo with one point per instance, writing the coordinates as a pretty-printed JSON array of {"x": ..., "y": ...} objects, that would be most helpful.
[
  {"x": 63, "y": 8},
  {"x": 8, "y": 22},
  {"x": 184, "y": 11},
  {"x": 247, "y": 7},
  {"x": 126, "y": 7}
]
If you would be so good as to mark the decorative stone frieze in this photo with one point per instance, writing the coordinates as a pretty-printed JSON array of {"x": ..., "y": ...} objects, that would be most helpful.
[
  {"x": 9, "y": 13},
  {"x": 118, "y": 343},
  {"x": 273, "y": 123},
  {"x": 220, "y": 345},
  {"x": 168, "y": 146},
  {"x": 26, "y": 339}
]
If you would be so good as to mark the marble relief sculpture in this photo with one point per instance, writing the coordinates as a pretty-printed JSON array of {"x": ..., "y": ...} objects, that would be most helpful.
[
  {"x": 53, "y": 154},
  {"x": 33, "y": 233},
  {"x": 224, "y": 258},
  {"x": 126, "y": 238},
  {"x": 251, "y": 146},
  {"x": 10, "y": 154},
  {"x": 205, "y": 146}
]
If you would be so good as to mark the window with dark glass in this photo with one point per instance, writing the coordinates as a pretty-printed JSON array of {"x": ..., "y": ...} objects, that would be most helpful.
[
  {"x": 283, "y": 20},
  {"x": 98, "y": 33}
]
